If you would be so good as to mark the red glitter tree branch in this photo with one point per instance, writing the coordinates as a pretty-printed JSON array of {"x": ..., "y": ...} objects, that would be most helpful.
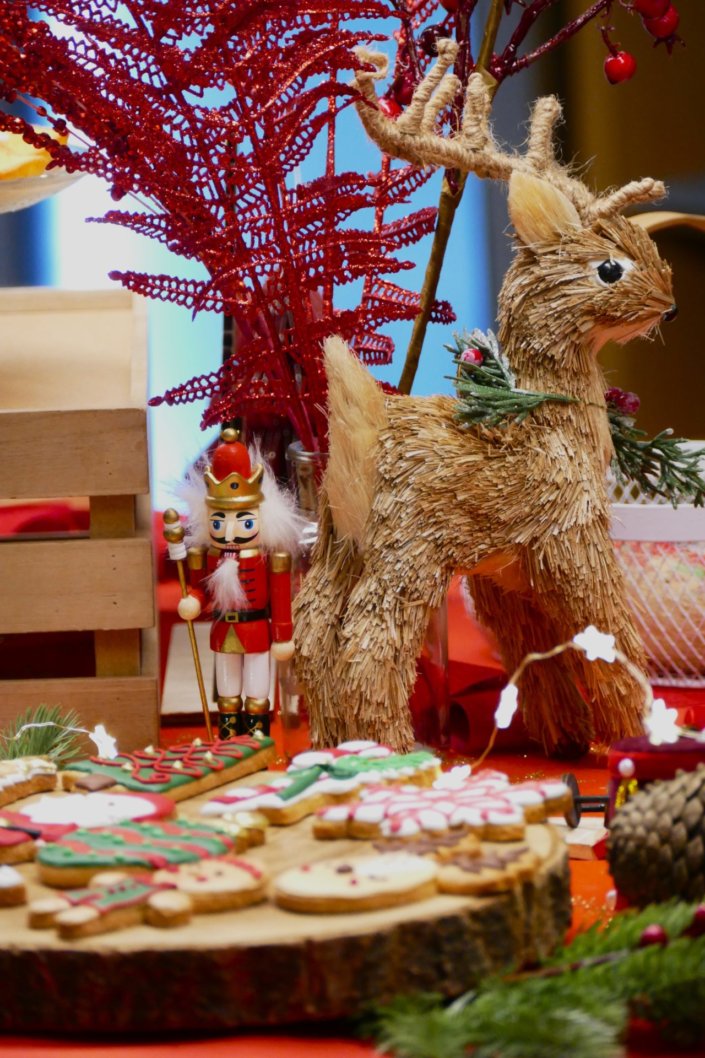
[
  {"x": 214, "y": 175},
  {"x": 204, "y": 110}
]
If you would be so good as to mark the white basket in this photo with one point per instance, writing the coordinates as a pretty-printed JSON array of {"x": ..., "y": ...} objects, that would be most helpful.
[{"x": 662, "y": 552}]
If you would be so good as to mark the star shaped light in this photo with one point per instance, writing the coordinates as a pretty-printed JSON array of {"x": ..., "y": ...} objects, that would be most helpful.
[
  {"x": 661, "y": 723},
  {"x": 107, "y": 745},
  {"x": 596, "y": 644},
  {"x": 508, "y": 705}
]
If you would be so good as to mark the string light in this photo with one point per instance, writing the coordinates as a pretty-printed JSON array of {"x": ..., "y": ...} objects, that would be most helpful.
[
  {"x": 101, "y": 739},
  {"x": 659, "y": 721}
]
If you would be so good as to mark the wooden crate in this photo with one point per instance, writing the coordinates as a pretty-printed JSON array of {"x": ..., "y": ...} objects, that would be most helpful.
[{"x": 73, "y": 425}]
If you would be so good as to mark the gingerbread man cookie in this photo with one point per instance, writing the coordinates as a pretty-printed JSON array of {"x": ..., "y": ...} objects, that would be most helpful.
[{"x": 168, "y": 898}]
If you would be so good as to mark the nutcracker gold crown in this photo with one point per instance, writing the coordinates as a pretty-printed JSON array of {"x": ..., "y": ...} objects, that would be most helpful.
[{"x": 234, "y": 492}]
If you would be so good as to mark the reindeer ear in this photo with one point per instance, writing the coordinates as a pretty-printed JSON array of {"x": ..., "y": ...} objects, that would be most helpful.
[{"x": 538, "y": 211}]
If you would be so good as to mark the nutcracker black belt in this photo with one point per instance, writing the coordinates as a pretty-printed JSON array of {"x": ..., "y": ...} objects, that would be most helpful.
[{"x": 239, "y": 617}]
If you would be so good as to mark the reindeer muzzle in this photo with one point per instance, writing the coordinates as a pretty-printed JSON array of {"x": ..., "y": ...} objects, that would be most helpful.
[{"x": 670, "y": 314}]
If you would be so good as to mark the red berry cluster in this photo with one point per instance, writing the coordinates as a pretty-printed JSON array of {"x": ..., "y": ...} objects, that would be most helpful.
[
  {"x": 660, "y": 19},
  {"x": 622, "y": 401}
]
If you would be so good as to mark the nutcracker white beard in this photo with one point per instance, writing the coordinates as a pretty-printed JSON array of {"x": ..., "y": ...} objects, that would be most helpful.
[{"x": 223, "y": 585}]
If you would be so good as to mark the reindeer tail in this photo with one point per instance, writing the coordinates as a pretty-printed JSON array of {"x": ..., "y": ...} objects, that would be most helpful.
[{"x": 356, "y": 415}]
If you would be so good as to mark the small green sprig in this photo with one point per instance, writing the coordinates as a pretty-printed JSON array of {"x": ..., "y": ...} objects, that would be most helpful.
[
  {"x": 577, "y": 1003},
  {"x": 487, "y": 392},
  {"x": 55, "y": 741},
  {"x": 660, "y": 465}
]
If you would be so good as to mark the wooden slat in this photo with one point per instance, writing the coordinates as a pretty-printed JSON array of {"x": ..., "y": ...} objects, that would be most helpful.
[
  {"x": 73, "y": 453},
  {"x": 127, "y": 707},
  {"x": 72, "y": 349},
  {"x": 71, "y": 585}
]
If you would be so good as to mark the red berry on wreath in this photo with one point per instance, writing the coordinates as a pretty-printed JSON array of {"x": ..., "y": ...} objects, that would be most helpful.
[
  {"x": 619, "y": 67},
  {"x": 665, "y": 25},
  {"x": 471, "y": 356},
  {"x": 654, "y": 934},
  {"x": 389, "y": 107},
  {"x": 651, "y": 8}
]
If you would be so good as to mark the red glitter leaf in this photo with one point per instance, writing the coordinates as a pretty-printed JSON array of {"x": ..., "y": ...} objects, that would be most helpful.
[{"x": 212, "y": 172}]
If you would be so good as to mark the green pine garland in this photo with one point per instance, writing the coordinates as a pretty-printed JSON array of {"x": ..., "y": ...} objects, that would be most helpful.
[
  {"x": 578, "y": 1003},
  {"x": 488, "y": 396},
  {"x": 660, "y": 465},
  {"x": 55, "y": 741},
  {"x": 487, "y": 392}
]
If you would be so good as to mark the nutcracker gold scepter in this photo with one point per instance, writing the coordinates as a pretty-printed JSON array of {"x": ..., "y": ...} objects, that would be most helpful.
[{"x": 174, "y": 536}]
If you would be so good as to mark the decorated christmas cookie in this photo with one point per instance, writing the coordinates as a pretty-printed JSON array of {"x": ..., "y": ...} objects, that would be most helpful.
[
  {"x": 218, "y": 885},
  {"x": 492, "y": 869},
  {"x": 319, "y": 777},
  {"x": 19, "y": 834},
  {"x": 74, "y": 859},
  {"x": 359, "y": 883},
  {"x": 179, "y": 772},
  {"x": 12, "y": 887},
  {"x": 485, "y": 804},
  {"x": 25, "y": 776},
  {"x": 53, "y": 816},
  {"x": 115, "y": 900}
]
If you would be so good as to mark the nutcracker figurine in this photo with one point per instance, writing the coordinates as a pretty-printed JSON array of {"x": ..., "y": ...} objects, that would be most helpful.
[{"x": 238, "y": 548}]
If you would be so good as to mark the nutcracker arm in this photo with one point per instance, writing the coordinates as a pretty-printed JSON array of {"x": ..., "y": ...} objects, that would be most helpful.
[{"x": 280, "y": 602}]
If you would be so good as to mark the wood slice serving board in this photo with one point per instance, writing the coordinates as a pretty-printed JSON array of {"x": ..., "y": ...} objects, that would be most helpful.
[{"x": 266, "y": 966}]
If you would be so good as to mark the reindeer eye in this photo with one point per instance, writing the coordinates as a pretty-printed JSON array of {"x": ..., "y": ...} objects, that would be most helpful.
[{"x": 611, "y": 270}]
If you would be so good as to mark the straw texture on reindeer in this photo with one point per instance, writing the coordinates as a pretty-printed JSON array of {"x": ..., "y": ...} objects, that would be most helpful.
[{"x": 411, "y": 494}]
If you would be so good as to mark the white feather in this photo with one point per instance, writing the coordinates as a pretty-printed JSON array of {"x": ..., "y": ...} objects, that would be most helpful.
[
  {"x": 281, "y": 525},
  {"x": 223, "y": 585}
]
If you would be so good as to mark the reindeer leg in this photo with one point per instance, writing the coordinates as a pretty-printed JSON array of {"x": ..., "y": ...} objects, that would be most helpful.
[
  {"x": 554, "y": 711},
  {"x": 382, "y": 636},
  {"x": 318, "y": 610},
  {"x": 578, "y": 582}
]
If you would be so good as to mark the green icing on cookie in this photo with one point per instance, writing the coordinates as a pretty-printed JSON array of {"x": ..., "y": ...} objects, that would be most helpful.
[
  {"x": 347, "y": 767},
  {"x": 149, "y": 845},
  {"x": 161, "y": 770}
]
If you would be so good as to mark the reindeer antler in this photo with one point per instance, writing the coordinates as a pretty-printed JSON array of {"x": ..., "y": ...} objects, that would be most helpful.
[{"x": 413, "y": 136}]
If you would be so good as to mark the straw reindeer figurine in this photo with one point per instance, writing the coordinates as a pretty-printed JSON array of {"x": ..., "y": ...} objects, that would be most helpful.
[{"x": 411, "y": 495}]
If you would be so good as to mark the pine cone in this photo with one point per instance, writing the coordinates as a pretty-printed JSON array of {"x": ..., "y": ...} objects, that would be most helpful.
[{"x": 656, "y": 844}]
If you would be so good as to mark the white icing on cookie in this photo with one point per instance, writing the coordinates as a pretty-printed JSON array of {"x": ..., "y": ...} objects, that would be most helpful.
[
  {"x": 90, "y": 810},
  {"x": 14, "y": 772},
  {"x": 9, "y": 877}
]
